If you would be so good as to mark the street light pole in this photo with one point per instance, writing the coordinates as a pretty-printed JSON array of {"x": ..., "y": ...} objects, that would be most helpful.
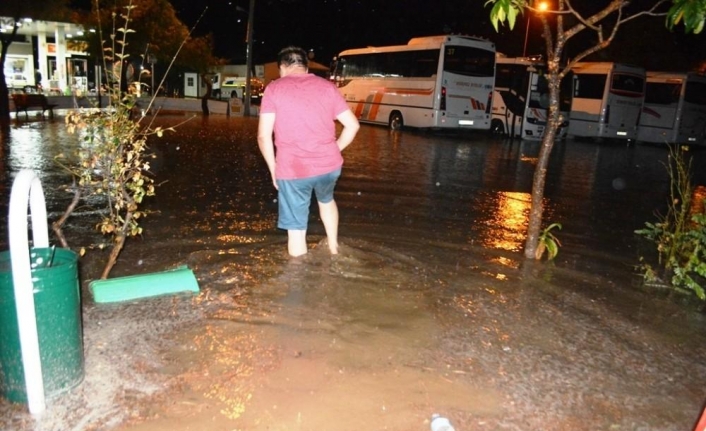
[
  {"x": 151, "y": 59},
  {"x": 524, "y": 50},
  {"x": 248, "y": 59},
  {"x": 541, "y": 7}
]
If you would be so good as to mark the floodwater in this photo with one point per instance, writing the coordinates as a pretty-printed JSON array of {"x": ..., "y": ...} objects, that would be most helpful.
[{"x": 430, "y": 308}]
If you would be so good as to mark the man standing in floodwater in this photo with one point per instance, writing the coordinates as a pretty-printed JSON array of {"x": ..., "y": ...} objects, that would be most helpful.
[{"x": 301, "y": 109}]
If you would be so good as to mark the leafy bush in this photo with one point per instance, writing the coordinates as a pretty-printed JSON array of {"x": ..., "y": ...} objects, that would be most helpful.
[
  {"x": 111, "y": 161},
  {"x": 680, "y": 235}
]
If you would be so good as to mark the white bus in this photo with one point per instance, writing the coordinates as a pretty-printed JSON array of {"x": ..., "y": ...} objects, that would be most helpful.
[
  {"x": 432, "y": 82},
  {"x": 675, "y": 109},
  {"x": 607, "y": 100},
  {"x": 521, "y": 99}
]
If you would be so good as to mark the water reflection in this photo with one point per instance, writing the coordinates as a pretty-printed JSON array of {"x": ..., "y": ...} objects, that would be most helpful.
[
  {"x": 512, "y": 215},
  {"x": 397, "y": 187}
]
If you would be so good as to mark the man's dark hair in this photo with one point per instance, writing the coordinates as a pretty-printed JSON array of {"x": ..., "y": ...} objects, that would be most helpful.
[{"x": 292, "y": 55}]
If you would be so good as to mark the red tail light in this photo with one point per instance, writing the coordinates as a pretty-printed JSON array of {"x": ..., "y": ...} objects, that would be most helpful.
[
  {"x": 442, "y": 102},
  {"x": 490, "y": 101}
]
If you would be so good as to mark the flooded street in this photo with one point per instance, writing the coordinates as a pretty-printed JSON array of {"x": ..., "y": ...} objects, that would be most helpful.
[{"x": 430, "y": 308}]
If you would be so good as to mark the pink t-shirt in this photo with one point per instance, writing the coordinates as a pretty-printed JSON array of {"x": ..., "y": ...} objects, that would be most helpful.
[{"x": 305, "y": 108}]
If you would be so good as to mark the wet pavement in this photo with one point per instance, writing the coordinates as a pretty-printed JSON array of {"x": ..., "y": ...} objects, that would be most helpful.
[{"x": 431, "y": 306}]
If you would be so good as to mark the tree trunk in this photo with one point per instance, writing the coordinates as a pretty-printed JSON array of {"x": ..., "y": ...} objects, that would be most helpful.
[
  {"x": 540, "y": 173},
  {"x": 4, "y": 99},
  {"x": 117, "y": 246},
  {"x": 537, "y": 208},
  {"x": 204, "y": 105},
  {"x": 207, "y": 95},
  {"x": 114, "y": 253},
  {"x": 4, "y": 92},
  {"x": 59, "y": 224}
]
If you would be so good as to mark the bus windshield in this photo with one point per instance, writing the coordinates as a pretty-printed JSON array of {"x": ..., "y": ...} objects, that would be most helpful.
[{"x": 539, "y": 98}]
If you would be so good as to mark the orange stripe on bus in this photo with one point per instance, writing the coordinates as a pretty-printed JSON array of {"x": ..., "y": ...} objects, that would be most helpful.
[
  {"x": 359, "y": 109},
  {"x": 376, "y": 106}
]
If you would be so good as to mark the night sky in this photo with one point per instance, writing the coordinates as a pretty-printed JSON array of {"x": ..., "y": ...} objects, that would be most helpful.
[{"x": 330, "y": 26}]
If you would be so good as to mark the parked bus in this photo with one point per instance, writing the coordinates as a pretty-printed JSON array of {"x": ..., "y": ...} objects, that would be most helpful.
[
  {"x": 607, "y": 100},
  {"x": 675, "y": 109},
  {"x": 521, "y": 99},
  {"x": 432, "y": 82}
]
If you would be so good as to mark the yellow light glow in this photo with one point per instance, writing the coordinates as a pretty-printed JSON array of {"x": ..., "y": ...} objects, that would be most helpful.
[
  {"x": 506, "y": 230},
  {"x": 542, "y": 6}
]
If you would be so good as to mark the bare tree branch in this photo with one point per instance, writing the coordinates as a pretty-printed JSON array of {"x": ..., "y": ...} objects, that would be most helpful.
[
  {"x": 590, "y": 22},
  {"x": 650, "y": 12}
]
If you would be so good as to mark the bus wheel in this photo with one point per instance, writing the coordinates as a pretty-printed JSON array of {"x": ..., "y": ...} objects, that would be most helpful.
[
  {"x": 396, "y": 121},
  {"x": 497, "y": 128}
]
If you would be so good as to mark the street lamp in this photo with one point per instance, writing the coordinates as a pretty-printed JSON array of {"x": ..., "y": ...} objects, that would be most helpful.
[{"x": 541, "y": 7}]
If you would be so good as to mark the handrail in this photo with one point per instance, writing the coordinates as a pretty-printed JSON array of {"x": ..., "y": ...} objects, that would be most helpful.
[{"x": 27, "y": 189}]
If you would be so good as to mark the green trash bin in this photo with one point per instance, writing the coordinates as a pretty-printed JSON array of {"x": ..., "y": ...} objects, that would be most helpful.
[{"x": 58, "y": 311}]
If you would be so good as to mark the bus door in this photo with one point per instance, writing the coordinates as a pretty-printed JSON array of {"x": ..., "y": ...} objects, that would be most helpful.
[
  {"x": 624, "y": 105},
  {"x": 659, "y": 113},
  {"x": 692, "y": 127},
  {"x": 587, "y": 104}
]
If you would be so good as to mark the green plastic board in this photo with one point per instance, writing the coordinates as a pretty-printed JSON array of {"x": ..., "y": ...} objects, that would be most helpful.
[{"x": 119, "y": 289}]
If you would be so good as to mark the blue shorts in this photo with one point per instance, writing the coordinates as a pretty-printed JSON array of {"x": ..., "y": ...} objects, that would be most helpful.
[{"x": 294, "y": 197}]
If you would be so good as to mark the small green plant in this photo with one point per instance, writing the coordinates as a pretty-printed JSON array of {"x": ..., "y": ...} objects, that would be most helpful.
[
  {"x": 548, "y": 242},
  {"x": 680, "y": 234},
  {"x": 111, "y": 164}
]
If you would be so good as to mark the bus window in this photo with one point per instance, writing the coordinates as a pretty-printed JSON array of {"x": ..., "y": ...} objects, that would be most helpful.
[
  {"x": 565, "y": 93},
  {"x": 504, "y": 75},
  {"x": 695, "y": 93},
  {"x": 660, "y": 93},
  {"x": 627, "y": 83},
  {"x": 589, "y": 85},
  {"x": 404, "y": 64}
]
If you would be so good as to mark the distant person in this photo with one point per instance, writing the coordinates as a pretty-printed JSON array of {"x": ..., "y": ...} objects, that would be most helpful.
[
  {"x": 38, "y": 81},
  {"x": 301, "y": 109}
]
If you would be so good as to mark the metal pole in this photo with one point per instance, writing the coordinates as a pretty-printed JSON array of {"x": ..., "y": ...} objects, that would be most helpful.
[
  {"x": 151, "y": 60},
  {"x": 248, "y": 59},
  {"x": 99, "y": 85},
  {"x": 524, "y": 50}
]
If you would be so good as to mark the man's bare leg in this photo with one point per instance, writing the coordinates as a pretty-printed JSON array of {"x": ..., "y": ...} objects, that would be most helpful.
[
  {"x": 296, "y": 244},
  {"x": 329, "y": 216}
]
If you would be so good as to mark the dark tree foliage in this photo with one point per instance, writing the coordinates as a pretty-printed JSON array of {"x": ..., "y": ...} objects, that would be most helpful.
[{"x": 156, "y": 32}]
